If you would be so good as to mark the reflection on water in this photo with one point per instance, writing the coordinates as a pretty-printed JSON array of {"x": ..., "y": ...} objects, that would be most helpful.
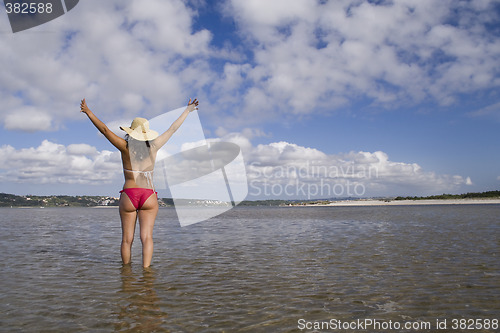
[
  {"x": 250, "y": 269},
  {"x": 139, "y": 304}
]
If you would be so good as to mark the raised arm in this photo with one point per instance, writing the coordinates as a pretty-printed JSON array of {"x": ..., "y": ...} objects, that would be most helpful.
[
  {"x": 115, "y": 140},
  {"x": 163, "y": 138}
]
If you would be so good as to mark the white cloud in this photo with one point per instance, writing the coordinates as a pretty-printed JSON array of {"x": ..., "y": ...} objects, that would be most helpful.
[
  {"x": 278, "y": 169},
  {"x": 491, "y": 111},
  {"x": 28, "y": 119},
  {"x": 282, "y": 169},
  {"x": 297, "y": 57},
  {"x": 166, "y": 25},
  {"x": 81, "y": 149},
  {"x": 52, "y": 163},
  {"x": 312, "y": 55},
  {"x": 126, "y": 57}
]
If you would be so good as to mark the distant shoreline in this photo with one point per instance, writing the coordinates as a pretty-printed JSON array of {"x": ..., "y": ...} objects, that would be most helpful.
[
  {"x": 33, "y": 201},
  {"x": 373, "y": 202},
  {"x": 337, "y": 203}
]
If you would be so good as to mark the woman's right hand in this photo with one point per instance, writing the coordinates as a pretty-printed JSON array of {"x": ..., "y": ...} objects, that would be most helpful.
[{"x": 192, "y": 105}]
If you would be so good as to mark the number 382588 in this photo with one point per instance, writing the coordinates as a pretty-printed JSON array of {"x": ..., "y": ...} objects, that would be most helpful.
[{"x": 28, "y": 8}]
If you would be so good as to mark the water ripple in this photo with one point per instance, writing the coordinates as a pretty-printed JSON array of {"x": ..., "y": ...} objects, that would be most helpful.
[{"x": 249, "y": 270}]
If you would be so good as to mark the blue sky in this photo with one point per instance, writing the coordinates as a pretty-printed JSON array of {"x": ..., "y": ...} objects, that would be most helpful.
[{"x": 408, "y": 88}]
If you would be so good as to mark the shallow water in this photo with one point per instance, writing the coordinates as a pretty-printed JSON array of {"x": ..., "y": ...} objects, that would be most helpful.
[{"x": 250, "y": 269}]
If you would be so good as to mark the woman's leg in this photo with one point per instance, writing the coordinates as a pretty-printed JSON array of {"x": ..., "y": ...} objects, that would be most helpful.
[
  {"x": 147, "y": 216},
  {"x": 128, "y": 215}
]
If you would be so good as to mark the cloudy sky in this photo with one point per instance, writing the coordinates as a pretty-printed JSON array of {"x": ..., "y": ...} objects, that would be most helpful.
[{"x": 325, "y": 98}]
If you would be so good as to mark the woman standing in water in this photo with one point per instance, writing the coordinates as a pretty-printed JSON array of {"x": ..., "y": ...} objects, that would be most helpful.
[{"x": 138, "y": 152}]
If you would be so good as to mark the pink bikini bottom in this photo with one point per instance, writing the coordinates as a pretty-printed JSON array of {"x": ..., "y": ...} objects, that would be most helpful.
[{"x": 138, "y": 196}]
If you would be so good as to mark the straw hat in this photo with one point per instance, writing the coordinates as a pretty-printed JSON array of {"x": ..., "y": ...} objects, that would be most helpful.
[{"x": 139, "y": 130}]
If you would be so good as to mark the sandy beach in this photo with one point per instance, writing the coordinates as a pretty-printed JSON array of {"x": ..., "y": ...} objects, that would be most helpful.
[{"x": 372, "y": 202}]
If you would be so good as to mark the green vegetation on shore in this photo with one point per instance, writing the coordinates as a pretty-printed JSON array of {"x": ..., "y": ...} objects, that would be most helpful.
[{"x": 478, "y": 195}]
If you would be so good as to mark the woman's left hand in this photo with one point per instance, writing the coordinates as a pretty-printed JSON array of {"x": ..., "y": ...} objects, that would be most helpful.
[{"x": 83, "y": 107}]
